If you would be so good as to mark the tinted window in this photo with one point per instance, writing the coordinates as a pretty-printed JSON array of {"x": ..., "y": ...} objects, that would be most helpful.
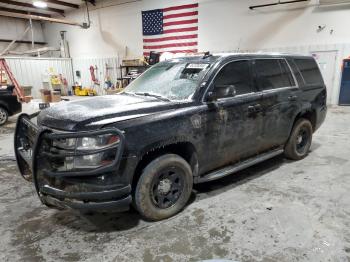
[
  {"x": 273, "y": 73},
  {"x": 236, "y": 74},
  {"x": 309, "y": 70}
]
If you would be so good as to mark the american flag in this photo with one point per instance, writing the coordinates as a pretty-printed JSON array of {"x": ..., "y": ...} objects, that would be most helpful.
[{"x": 172, "y": 29}]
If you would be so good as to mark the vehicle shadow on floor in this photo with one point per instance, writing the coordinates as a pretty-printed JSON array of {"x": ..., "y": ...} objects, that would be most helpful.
[
  {"x": 229, "y": 182},
  {"x": 213, "y": 188},
  {"x": 109, "y": 222},
  {"x": 8, "y": 128},
  {"x": 114, "y": 222},
  {"x": 98, "y": 222}
]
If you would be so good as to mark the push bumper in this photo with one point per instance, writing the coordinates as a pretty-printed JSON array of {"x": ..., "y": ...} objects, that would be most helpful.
[
  {"x": 93, "y": 189},
  {"x": 59, "y": 198}
]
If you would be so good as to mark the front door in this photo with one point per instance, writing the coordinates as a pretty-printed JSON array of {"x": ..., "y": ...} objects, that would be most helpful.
[{"x": 235, "y": 114}]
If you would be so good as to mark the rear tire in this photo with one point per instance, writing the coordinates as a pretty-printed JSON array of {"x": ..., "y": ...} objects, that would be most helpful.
[
  {"x": 164, "y": 187},
  {"x": 299, "y": 142},
  {"x": 4, "y": 115}
]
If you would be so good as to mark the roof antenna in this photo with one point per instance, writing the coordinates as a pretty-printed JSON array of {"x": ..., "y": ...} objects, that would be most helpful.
[
  {"x": 206, "y": 55},
  {"x": 239, "y": 45}
]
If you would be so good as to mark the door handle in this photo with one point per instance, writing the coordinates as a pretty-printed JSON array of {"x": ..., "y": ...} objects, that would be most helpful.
[
  {"x": 257, "y": 108},
  {"x": 254, "y": 109},
  {"x": 292, "y": 98},
  {"x": 251, "y": 109}
]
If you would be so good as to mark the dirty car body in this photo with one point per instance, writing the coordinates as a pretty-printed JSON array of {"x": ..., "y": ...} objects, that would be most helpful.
[
  {"x": 9, "y": 104},
  {"x": 90, "y": 154}
]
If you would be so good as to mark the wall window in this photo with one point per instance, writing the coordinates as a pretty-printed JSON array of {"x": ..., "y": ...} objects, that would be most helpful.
[
  {"x": 309, "y": 70},
  {"x": 273, "y": 73},
  {"x": 236, "y": 74}
]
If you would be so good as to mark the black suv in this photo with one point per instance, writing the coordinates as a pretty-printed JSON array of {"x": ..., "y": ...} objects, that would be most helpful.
[
  {"x": 9, "y": 104},
  {"x": 184, "y": 121}
]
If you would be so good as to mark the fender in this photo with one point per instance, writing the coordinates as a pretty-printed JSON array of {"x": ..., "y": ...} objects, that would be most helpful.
[
  {"x": 163, "y": 143},
  {"x": 4, "y": 105}
]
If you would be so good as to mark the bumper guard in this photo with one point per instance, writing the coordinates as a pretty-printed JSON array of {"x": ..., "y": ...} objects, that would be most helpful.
[{"x": 32, "y": 150}]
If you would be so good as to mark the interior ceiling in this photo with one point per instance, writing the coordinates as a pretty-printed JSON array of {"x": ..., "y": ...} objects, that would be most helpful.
[{"x": 54, "y": 7}]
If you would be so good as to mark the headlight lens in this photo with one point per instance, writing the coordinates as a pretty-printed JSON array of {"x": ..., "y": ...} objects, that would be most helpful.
[
  {"x": 93, "y": 160},
  {"x": 98, "y": 142}
]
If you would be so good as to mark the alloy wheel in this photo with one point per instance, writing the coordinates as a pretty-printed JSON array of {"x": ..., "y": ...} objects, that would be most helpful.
[
  {"x": 3, "y": 116},
  {"x": 167, "y": 187}
]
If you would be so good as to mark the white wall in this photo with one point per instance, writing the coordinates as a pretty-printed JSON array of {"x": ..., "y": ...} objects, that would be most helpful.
[
  {"x": 223, "y": 25},
  {"x": 13, "y": 28}
]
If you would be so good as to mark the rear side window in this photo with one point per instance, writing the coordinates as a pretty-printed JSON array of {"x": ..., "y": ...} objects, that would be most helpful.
[
  {"x": 309, "y": 70},
  {"x": 273, "y": 73}
]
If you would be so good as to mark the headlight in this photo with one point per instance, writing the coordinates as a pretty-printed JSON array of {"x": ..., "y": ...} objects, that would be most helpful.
[
  {"x": 99, "y": 142},
  {"x": 93, "y": 160}
]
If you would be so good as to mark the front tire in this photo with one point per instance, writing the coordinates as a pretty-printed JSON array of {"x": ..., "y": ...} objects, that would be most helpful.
[
  {"x": 299, "y": 142},
  {"x": 3, "y": 116},
  {"x": 164, "y": 187}
]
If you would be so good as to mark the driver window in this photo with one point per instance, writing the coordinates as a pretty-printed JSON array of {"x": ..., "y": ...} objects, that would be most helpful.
[{"x": 233, "y": 79}]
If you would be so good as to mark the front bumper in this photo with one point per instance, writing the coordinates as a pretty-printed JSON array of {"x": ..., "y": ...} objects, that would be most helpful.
[{"x": 95, "y": 189}]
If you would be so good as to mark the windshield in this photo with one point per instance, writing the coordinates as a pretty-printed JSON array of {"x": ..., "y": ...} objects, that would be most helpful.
[{"x": 169, "y": 80}]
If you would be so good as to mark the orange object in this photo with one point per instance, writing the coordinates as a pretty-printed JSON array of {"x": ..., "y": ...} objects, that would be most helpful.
[
  {"x": 55, "y": 96},
  {"x": 18, "y": 90}
]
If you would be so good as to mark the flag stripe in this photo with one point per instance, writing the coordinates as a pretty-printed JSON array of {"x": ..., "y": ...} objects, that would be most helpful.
[
  {"x": 176, "y": 51},
  {"x": 180, "y": 26},
  {"x": 183, "y": 22},
  {"x": 187, "y": 29},
  {"x": 181, "y": 18},
  {"x": 181, "y": 41},
  {"x": 170, "y": 35},
  {"x": 180, "y": 11},
  {"x": 169, "y": 45},
  {"x": 179, "y": 7},
  {"x": 180, "y": 15},
  {"x": 172, "y": 49},
  {"x": 170, "y": 38}
]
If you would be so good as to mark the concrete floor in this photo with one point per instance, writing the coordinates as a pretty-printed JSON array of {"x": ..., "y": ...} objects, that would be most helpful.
[{"x": 276, "y": 211}]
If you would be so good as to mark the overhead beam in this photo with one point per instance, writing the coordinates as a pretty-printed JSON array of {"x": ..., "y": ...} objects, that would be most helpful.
[
  {"x": 22, "y": 4},
  {"x": 57, "y": 2},
  {"x": 16, "y": 11},
  {"x": 40, "y": 18},
  {"x": 22, "y": 42}
]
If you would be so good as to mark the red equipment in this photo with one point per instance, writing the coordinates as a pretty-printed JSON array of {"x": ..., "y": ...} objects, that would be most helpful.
[
  {"x": 92, "y": 73},
  {"x": 18, "y": 90}
]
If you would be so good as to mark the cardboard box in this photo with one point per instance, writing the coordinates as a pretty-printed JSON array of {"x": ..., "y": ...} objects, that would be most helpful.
[
  {"x": 132, "y": 62},
  {"x": 55, "y": 96},
  {"x": 45, "y": 95}
]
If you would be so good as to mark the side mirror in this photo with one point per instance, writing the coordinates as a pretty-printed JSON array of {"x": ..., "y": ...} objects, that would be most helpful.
[
  {"x": 230, "y": 90},
  {"x": 211, "y": 97}
]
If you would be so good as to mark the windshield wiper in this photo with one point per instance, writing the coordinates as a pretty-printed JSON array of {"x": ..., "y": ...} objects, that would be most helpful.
[{"x": 153, "y": 95}]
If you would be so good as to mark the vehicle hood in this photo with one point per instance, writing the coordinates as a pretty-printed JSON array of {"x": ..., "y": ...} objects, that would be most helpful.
[{"x": 102, "y": 110}]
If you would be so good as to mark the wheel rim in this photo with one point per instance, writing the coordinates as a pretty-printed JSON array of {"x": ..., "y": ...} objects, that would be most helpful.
[
  {"x": 302, "y": 140},
  {"x": 167, "y": 187},
  {"x": 3, "y": 116}
]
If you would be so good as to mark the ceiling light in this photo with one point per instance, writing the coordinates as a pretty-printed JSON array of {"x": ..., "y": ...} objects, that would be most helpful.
[{"x": 40, "y": 4}]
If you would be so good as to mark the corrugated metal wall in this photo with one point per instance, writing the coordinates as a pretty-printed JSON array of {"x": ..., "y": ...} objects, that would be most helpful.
[
  {"x": 31, "y": 71},
  {"x": 83, "y": 65}
]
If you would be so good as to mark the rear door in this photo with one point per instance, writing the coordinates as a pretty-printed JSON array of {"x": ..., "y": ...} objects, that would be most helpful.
[{"x": 280, "y": 95}]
